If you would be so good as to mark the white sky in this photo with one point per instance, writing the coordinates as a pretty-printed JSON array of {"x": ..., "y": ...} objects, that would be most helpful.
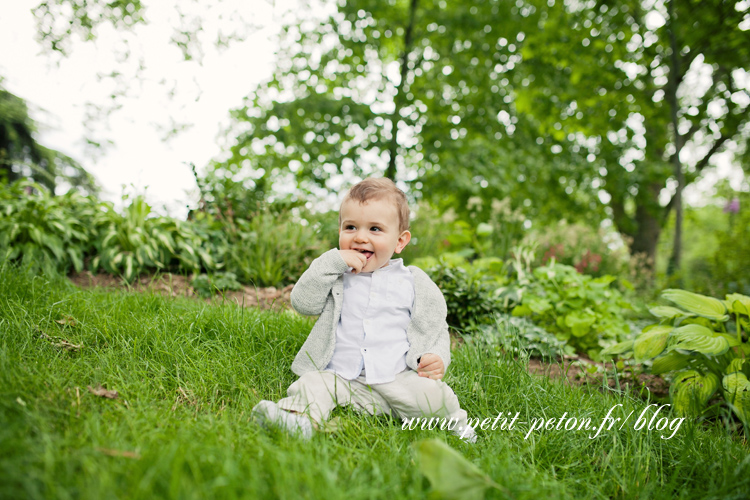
[{"x": 140, "y": 159}]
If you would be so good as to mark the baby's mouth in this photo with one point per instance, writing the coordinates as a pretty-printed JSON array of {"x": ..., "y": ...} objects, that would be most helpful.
[{"x": 366, "y": 253}]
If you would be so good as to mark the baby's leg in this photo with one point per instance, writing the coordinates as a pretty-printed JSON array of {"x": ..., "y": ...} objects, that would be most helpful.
[
  {"x": 412, "y": 396},
  {"x": 318, "y": 393}
]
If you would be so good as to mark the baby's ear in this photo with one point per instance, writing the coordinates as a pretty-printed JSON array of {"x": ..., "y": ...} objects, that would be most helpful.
[{"x": 403, "y": 240}]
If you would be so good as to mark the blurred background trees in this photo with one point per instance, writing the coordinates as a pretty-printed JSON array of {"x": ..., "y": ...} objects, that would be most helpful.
[
  {"x": 22, "y": 156},
  {"x": 503, "y": 118},
  {"x": 580, "y": 111}
]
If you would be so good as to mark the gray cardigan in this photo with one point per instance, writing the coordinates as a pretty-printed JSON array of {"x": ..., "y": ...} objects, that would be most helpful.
[{"x": 320, "y": 291}]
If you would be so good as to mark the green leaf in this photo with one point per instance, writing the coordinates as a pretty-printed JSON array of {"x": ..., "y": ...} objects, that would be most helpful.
[
  {"x": 579, "y": 322},
  {"x": 737, "y": 389},
  {"x": 731, "y": 339},
  {"x": 522, "y": 310},
  {"x": 700, "y": 339},
  {"x": 619, "y": 348},
  {"x": 691, "y": 390},
  {"x": 702, "y": 305},
  {"x": 668, "y": 312},
  {"x": 669, "y": 362},
  {"x": 450, "y": 474},
  {"x": 76, "y": 259},
  {"x": 735, "y": 365},
  {"x": 538, "y": 305},
  {"x": 651, "y": 343},
  {"x": 738, "y": 303},
  {"x": 484, "y": 229},
  {"x": 128, "y": 266}
]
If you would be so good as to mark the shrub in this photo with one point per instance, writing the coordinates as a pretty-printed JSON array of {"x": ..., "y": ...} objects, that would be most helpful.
[
  {"x": 701, "y": 344},
  {"x": 433, "y": 233},
  {"x": 469, "y": 289},
  {"x": 586, "y": 249},
  {"x": 519, "y": 336},
  {"x": 132, "y": 243},
  {"x": 206, "y": 286},
  {"x": 581, "y": 310},
  {"x": 42, "y": 231},
  {"x": 272, "y": 249},
  {"x": 731, "y": 261}
]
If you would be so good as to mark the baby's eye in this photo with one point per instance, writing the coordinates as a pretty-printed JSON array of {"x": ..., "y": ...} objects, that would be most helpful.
[
  {"x": 349, "y": 227},
  {"x": 375, "y": 228}
]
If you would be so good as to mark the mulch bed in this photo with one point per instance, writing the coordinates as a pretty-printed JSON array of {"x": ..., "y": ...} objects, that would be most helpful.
[
  {"x": 574, "y": 370},
  {"x": 175, "y": 285}
]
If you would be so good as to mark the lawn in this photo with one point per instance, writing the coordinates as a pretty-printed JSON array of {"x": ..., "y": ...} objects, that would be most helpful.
[{"x": 187, "y": 374}]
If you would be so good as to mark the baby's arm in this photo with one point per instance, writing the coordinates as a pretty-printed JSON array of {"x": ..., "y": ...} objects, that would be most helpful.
[
  {"x": 429, "y": 329},
  {"x": 311, "y": 291}
]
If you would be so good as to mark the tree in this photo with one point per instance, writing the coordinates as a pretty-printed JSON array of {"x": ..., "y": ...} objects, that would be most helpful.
[
  {"x": 22, "y": 156},
  {"x": 580, "y": 108},
  {"x": 419, "y": 90},
  {"x": 641, "y": 83}
]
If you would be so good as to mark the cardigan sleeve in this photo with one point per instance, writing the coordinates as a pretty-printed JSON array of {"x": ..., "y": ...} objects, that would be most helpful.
[
  {"x": 428, "y": 330},
  {"x": 311, "y": 290}
]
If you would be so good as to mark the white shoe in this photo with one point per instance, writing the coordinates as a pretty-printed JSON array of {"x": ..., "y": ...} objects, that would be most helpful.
[
  {"x": 466, "y": 434},
  {"x": 268, "y": 414}
]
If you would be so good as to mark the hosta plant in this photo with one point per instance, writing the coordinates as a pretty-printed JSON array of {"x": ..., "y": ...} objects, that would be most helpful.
[
  {"x": 45, "y": 232},
  {"x": 702, "y": 342},
  {"x": 583, "y": 311},
  {"x": 134, "y": 242}
]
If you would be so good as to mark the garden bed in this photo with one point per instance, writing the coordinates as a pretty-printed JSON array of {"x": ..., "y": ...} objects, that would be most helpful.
[
  {"x": 176, "y": 285},
  {"x": 573, "y": 369}
]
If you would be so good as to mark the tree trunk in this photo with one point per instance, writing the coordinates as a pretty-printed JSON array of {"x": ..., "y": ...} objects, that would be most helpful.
[
  {"x": 398, "y": 99},
  {"x": 675, "y": 78},
  {"x": 648, "y": 226}
]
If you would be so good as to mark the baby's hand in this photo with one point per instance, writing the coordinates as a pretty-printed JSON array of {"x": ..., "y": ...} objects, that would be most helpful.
[
  {"x": 431, "y": 365},
  {"x": 354, "y": 259}
]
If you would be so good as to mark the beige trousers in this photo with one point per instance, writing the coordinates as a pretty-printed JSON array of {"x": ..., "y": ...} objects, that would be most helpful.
[{"x": 317, "y": 393}]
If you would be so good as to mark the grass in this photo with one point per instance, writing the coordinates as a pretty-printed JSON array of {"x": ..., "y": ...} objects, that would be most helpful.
[{"x": 187, "y": 375}]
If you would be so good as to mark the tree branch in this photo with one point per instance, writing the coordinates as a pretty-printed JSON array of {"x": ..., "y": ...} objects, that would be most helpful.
[{"x": 390, "y": 172}]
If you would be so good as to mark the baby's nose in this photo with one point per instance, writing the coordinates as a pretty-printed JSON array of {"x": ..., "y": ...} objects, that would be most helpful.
[{"x": 361, "y": 236}]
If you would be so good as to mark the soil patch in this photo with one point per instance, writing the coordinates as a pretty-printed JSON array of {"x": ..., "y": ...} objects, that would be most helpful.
[
  {"x": 574, "y": 370},
  {"x": 175, "y": 285}
]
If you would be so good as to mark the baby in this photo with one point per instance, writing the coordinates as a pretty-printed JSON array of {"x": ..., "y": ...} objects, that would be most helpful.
[{"x": 381, "y": 340}]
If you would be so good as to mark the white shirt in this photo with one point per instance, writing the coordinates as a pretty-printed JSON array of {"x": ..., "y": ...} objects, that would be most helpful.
[{"x": 371, "y": 333}]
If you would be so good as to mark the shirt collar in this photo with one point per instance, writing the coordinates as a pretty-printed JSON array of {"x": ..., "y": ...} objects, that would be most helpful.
[{"x": 392, "y": 264}]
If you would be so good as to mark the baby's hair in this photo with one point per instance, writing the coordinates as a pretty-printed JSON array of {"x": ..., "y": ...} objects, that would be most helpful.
[{"x": 376, "y": 188}]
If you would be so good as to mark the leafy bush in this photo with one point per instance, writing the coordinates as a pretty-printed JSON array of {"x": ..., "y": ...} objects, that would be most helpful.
[
  {"x": 207, "y": 285},
  {"x": 469, "y": 289},
  {"x": 132, "y": 243},
  {"x": 433, "y": 233},
  {"x": 701, "y": 344},
  {"x": 42, "y": 231},
  {"x": 731, "y": 261},
  {"x": 271, "y": 249},
  {"x": 580, "y": 246},
  {"x": 579, "y": 309},
  {"x": 519, "y": 336}
]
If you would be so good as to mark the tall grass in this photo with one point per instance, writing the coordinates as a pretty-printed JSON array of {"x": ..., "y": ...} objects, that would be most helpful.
[{"x": 187, "y": 375}]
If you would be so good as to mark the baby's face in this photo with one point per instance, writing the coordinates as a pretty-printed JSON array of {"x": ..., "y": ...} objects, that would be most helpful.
[{"x": 371, "y": 228}]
